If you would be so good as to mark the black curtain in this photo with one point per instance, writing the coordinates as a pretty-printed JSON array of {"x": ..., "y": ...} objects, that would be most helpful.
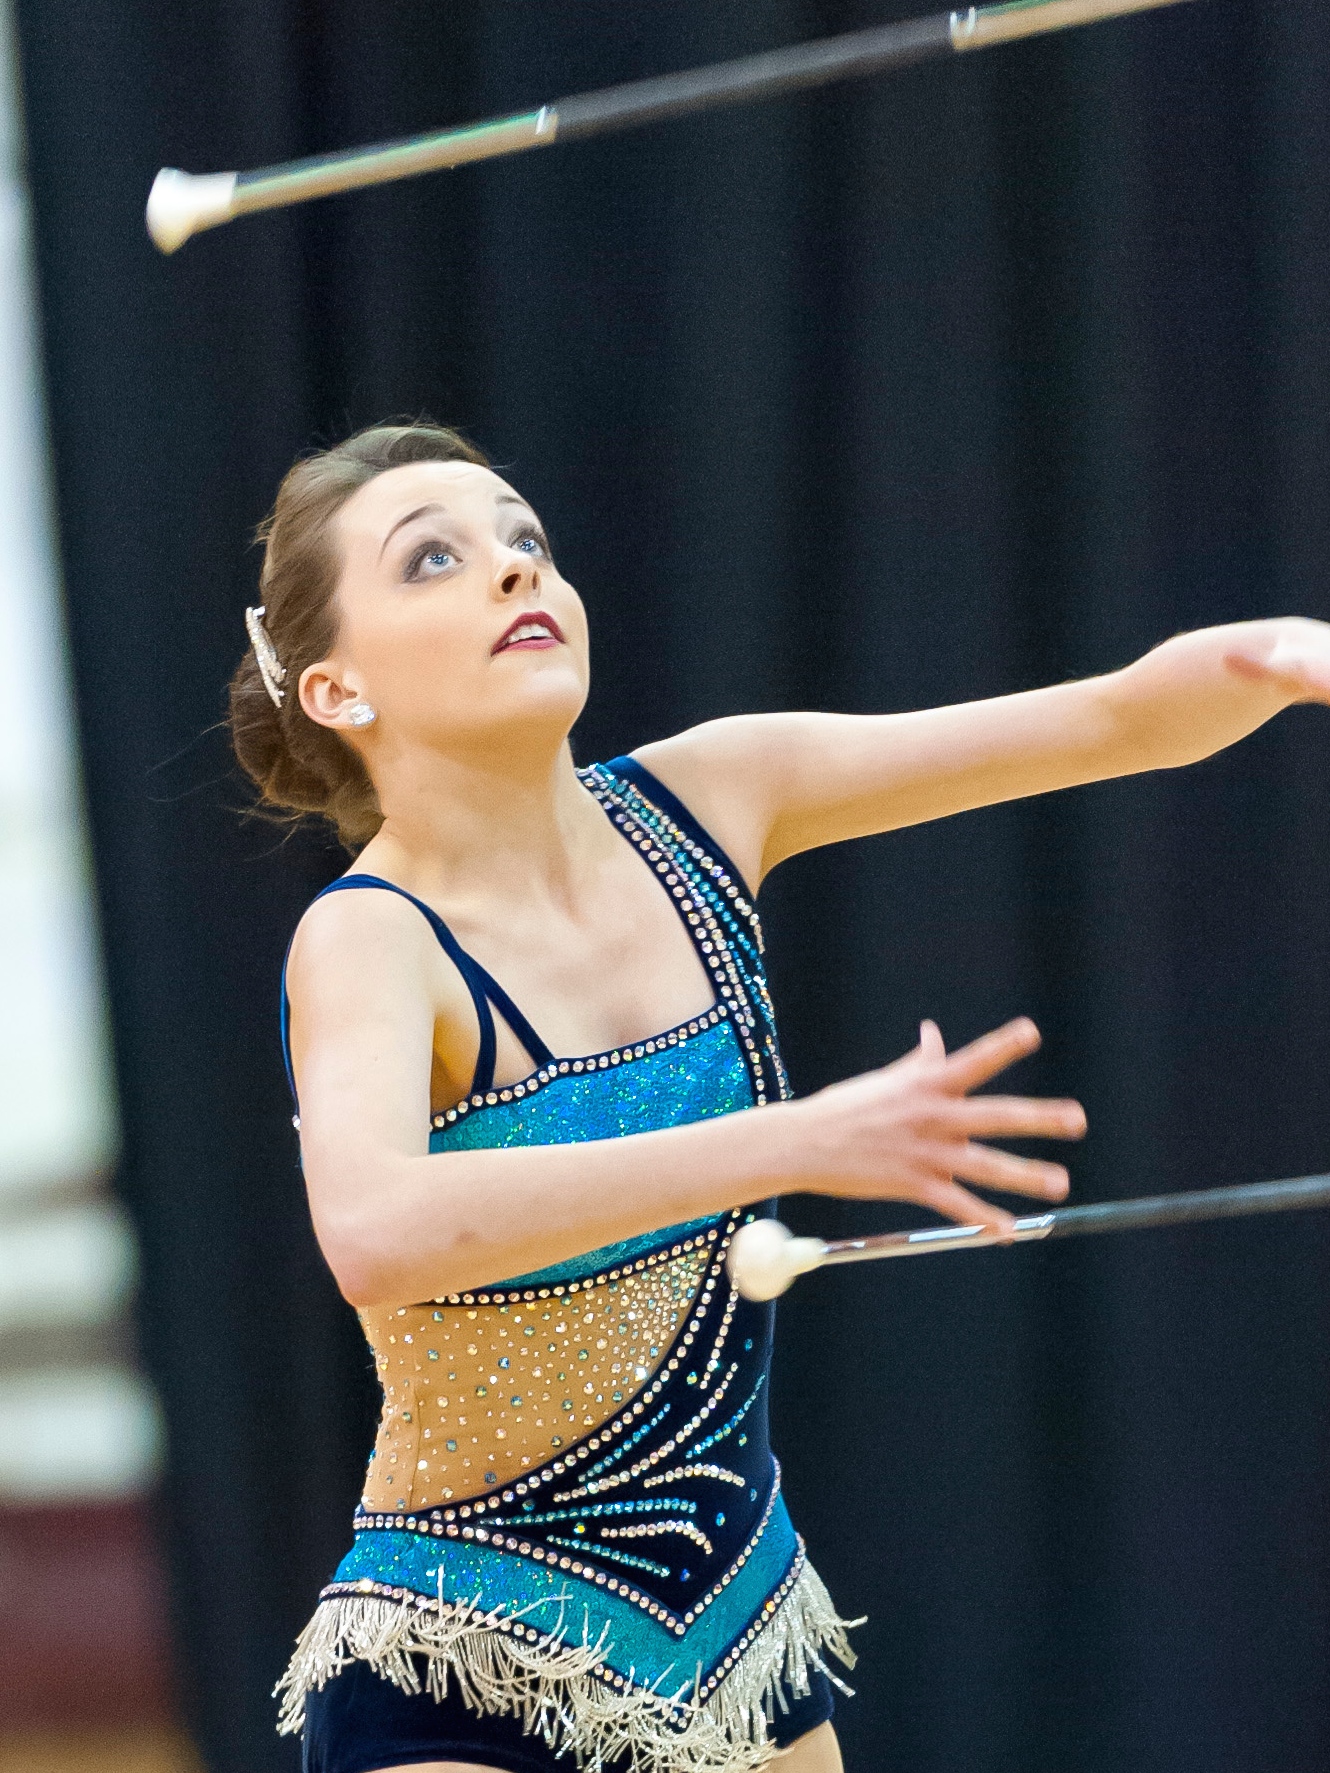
[{"x": 911, "y": 391}]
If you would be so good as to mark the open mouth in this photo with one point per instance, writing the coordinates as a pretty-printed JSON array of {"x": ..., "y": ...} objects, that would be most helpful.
[{"x": 529, "y": 634}]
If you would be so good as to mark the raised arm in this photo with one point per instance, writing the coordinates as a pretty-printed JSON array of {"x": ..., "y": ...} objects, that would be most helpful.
[
  {"x": 770, "y": 786},
  {"x": 376, "y": 1010}
]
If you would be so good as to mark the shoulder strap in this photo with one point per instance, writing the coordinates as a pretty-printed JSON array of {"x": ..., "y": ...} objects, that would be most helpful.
[
  {"x": 483, "y": 987},
  {"x": 654, "y": 789},
  {"x": 708, "y": 881}
]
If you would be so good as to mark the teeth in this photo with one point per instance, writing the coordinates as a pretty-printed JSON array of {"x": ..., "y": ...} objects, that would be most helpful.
[{"x": 529, "y": 631}]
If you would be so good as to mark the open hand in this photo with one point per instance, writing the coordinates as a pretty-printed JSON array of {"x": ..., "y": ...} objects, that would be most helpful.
[{"x": 908, "y": 1131}]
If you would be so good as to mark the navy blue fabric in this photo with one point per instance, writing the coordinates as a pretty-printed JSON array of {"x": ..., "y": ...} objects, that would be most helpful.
[
  {"x": 360, "y": 1722},
  {"x": 485, "y": 990}
]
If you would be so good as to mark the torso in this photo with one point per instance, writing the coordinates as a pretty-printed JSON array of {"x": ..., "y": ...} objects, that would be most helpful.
[
  {"x": 481, "y": 1388},
  {"x": 451, "y": 1427},
  {"x": 582, "y": 1453}
]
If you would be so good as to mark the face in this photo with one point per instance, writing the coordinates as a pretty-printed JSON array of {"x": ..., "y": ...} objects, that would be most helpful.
[{"x": 453, "y": 620}]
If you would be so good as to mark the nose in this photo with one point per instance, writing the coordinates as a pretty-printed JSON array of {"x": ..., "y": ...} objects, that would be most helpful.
[{"x": 518, "y": 572}]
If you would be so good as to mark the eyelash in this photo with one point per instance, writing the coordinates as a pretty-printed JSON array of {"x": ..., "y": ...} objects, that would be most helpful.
[
  {"x": 529, "y": 532},
  {"x": 422, "y": 554},
  {"x": 532, "y": 533}
]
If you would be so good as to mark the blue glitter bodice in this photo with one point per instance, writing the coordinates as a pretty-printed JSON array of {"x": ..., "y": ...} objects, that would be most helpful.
[{"x": 581, "y": 1454}]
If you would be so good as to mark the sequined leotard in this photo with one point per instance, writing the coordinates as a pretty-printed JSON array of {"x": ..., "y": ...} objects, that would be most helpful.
[{"x": 572, "y": 1509}]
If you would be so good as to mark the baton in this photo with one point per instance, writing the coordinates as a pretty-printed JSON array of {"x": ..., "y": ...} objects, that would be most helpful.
[
  {"x": 182, "y": 203},
  {"x": 765, "y": 1258}
]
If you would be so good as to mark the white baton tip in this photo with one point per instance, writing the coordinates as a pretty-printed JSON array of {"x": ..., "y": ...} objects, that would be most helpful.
[
  {"x": 184, "y": 203},
  {"x": 765, "y": 1258}
]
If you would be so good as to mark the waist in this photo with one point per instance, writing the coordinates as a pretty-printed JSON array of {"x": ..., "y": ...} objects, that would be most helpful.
[
  {"x": 528, "y": 1581},
  {"x": 619, "y": 1419}
]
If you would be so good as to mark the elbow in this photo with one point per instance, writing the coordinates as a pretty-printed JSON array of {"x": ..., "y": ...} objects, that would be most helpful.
[
  {"x": 358, "y": 1269},
  {"x": 386, "y": 1242},
  {"x": 367, "y": 1269},
  {"x": 373, "y": 1268},
  {"x": 360, "y": 1283},
  {"x": 356, "y": 1217}
]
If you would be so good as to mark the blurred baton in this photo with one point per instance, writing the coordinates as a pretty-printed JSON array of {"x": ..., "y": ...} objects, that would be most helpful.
[
  {"x": 183, "y": 203},
  {"x": 765, "y": 1258}
]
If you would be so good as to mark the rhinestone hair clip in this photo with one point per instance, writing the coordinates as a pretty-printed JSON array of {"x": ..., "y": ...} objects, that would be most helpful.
[{"x": 271, "y": 668}]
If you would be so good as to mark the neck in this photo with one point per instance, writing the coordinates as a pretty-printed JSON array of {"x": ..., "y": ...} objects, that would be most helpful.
[{"x": 487, "y": 823}]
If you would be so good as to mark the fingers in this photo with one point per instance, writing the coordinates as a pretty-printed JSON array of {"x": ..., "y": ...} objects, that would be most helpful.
[
  {"x": 965, "y": 1208},
  {"x": 931, "y": 1045},
  {"x": 1017, "y": 1117},
  {"x": 973, "y": 1065},
  {"x": 1011, "y": 1175}
]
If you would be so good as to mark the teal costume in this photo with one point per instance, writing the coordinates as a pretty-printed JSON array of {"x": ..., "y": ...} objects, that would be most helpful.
[{"x": 572, "y": 1511}]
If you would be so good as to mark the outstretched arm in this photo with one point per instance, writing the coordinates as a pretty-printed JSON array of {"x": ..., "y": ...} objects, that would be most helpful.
[{"x": 772, "y": 785}]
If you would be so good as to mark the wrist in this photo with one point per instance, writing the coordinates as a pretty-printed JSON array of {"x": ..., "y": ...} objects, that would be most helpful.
[
  {"x": 1300, "y": 640},
  {"x": 789, "y": 1143},
  {"x": 1266, "y": 657}
]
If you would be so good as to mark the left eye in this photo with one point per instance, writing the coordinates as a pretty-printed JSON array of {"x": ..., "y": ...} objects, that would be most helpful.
[{"x": 531, "y": 543}]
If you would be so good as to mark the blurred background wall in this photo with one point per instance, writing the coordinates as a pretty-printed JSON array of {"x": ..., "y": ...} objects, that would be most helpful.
[
  {"x": 910, "y": 391},
  {"x": 84, "y": 1657}
]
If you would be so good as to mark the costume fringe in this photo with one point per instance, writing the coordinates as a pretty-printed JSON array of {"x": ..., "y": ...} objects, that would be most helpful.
[{"x": 553, "y": 1687}]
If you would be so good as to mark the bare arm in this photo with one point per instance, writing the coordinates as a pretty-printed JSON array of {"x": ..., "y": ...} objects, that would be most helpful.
[
  {"x": 397, "y": 1223},
  {"x": 770, "y": 786}
]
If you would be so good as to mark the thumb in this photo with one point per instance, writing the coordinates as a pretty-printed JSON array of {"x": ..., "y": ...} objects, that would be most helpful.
[{"x": 931, "y": 1044}]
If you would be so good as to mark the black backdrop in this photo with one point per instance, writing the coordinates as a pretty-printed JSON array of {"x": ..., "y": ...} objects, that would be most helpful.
[{"x": 918, "y": 390}]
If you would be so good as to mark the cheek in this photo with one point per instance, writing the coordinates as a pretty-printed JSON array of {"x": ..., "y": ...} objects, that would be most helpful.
[
  {"x": 417, "y": 645},
  {"x": 572, "y": 615}
]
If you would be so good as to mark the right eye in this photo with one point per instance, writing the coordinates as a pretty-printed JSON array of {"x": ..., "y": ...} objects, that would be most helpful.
[{"x": 430, "y": 560}]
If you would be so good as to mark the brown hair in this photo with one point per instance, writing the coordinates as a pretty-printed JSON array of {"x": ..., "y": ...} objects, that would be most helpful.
[{"x": 299, "y": 767}]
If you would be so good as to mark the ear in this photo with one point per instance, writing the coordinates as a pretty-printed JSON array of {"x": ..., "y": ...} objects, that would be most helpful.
[{"x": 325, "y": 694}]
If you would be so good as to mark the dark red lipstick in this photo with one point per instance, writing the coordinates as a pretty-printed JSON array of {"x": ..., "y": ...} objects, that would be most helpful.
[{"x": 552, "y": 635}]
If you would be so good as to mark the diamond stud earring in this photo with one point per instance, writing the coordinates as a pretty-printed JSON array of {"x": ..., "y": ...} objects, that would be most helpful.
[{"x": 361, "y": 714}]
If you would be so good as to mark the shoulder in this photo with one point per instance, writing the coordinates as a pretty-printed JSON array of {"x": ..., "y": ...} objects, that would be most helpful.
[
  {"x": 363, "y": 944},
  {"x": 736, "y": 752},
  {"x": 728, "y": 773},
  {"x": 353, "y": 916}
]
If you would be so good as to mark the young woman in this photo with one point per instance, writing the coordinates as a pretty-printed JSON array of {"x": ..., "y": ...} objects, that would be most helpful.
[{"x": 572, "y": 1539}]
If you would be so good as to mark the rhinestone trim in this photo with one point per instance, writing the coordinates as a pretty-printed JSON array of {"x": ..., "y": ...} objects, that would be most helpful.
[
  {"x": 538, "y": 1080},
  {"x": 459, "y": 1521},
  {"x": 538, "y": 1554},
  {"x": 517, "y": 1295},
  {"x": 566, "y": 1464},
  {"x": 707, "y": 897}
]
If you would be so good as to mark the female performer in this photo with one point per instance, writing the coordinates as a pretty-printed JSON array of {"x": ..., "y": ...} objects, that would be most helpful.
[{"x": 572, "y": 1541}]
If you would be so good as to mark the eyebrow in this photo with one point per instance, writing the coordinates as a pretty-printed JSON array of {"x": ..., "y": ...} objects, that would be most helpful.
[
  {"x": 434, "y": 505},
  {"x": 516, "y": 499},
  {"x": 411, "y": 516}
]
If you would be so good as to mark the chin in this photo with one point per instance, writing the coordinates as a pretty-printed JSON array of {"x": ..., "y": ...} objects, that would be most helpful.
[
  {"x": 550, "y": 696},
  {"x": 543, "y": 711}
]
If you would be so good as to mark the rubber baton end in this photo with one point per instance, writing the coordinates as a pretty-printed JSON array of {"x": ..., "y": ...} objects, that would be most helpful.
[
  {"x": 184, "y": 203},
  {"x": 765, "y": 1258}
]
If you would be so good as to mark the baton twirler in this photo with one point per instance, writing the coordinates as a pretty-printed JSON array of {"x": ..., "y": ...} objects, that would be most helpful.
[
  {"x": 765, "y": 1258},
  {"x": 182, "y": 203}
]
